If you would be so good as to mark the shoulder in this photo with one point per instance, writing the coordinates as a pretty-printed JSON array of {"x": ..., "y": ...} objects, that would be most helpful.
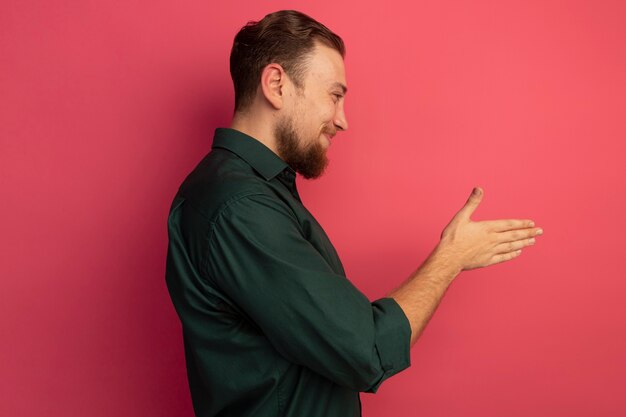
[{"x": 222, "y": 181}]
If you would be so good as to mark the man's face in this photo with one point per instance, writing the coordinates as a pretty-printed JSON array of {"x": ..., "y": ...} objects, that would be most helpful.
[{"x": 314, "y": 114}]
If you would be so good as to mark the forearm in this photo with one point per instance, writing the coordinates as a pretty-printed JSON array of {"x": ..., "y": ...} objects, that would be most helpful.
[{"x": 421, "y": 293}]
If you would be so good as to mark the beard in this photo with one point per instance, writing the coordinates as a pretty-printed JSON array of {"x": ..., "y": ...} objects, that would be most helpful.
[{"x": 308, "y": 158}]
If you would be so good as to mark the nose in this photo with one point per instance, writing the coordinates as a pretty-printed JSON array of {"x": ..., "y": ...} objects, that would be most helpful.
[{"x": 340, "y": 119}]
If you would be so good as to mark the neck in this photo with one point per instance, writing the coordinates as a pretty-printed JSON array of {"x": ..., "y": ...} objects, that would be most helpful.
[{"x": 258, "y": 128}]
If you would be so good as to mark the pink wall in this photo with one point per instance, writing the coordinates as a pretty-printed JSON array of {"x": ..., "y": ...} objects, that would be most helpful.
[{"x": 105, "y": 106}]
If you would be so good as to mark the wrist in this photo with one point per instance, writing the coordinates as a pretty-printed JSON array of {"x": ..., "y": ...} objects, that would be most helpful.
[{"x": 445, "y": 262}]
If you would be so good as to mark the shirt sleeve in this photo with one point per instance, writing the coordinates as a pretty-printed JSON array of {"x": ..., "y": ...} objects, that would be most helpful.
[{"x": 314, "y": 317}]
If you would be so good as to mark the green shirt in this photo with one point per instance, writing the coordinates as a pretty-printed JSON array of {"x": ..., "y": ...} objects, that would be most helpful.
[{"x": 271, "y": 325}]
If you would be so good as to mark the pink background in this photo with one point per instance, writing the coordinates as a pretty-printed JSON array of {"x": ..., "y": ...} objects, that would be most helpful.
[{"x": 106, "y": 106}]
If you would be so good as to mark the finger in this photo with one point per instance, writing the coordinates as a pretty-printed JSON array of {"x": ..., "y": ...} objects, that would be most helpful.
[
  {"x": 508, "y": 224},
  {"x": 503, "y": 257},
  {"x": 472, "y": 202},
  {"x": 518, "y": 234},
  {"x": 507, "y": 247}
]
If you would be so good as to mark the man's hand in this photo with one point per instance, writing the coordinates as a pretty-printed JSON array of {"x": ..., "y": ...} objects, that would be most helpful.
[
  {"x": 468, "y": 244},
  {"x": 464, "y": 245}
]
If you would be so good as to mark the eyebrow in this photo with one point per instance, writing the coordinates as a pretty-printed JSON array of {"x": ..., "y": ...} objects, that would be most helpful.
[{"x": 343, "y": 87}]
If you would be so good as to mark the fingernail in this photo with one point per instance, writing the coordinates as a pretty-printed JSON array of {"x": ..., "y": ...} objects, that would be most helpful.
[
  {"x": 476, "y": 191},
  {"x": 532, "y": 224},
  {"x": 539, "y": 231}
]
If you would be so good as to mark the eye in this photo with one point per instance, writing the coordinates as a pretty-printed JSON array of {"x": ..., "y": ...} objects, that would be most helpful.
[{"x": 337, "y": 97}]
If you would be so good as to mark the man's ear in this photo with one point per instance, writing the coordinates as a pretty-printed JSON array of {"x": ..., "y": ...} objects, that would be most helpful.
[{"x": 273, "y": 80}]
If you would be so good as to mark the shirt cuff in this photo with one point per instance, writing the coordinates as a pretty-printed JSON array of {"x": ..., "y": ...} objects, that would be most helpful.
[{"x": 393, "y": 338}]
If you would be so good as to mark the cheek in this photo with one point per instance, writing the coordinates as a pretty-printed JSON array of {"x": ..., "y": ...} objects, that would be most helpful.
[{"x": 331, "y": 111}]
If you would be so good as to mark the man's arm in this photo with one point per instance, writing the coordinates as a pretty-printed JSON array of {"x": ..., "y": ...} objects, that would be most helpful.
[
  {"x": 464, "y": 245},
  {"x": 280, "y": 286}
]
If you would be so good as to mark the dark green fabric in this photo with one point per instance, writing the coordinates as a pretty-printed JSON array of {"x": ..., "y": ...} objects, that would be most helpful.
[{"x": 271, "y": 325}]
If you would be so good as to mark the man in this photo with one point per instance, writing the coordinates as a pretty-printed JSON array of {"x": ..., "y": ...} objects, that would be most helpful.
[{"x": 271, "y": 325}]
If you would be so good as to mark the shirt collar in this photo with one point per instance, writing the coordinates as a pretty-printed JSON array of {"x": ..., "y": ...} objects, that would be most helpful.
[{"x": 251, "y": 150}]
